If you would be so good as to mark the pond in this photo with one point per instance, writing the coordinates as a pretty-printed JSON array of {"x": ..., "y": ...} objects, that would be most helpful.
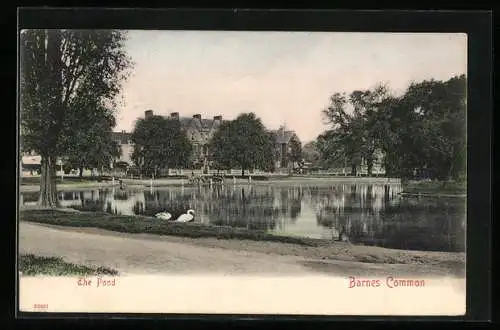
[{"x": 370, "y": 214}]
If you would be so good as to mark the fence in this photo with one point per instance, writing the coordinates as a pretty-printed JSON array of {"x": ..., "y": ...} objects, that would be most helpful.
[{"x": 362, "y": 171}]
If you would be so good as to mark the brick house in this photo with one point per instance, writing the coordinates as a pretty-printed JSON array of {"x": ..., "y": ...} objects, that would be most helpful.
[{"x": 200, "y": 131}]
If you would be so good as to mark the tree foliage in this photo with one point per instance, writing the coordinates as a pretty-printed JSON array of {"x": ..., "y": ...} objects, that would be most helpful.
[
  {"x": 66, "y": 78},
  {"x": 243, "y": 143},
  {"x": 92, "y": 146},
  {"x": 333, "y": 149},
  {"x": 421, "y": 131},
  {"x": 274, "y": 154},
  {"x": 311, "y": 153},
  {"x": 160, "y": 143},
  {"x": 353, "y": 130},
  {"x": 295, "y": 154}
]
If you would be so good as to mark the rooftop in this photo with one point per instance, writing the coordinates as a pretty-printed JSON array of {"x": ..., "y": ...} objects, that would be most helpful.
[{"x": 283, "y": 135}]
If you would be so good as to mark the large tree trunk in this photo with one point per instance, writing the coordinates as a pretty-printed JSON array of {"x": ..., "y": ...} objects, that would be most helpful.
[
  {"x": 53, "y": 67},
  {"x": 81, "y": 172},
  {"x": 48, "y": 190}
]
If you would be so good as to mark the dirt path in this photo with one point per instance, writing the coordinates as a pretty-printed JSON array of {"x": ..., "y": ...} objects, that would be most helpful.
[{"x": 141, "y": 254}]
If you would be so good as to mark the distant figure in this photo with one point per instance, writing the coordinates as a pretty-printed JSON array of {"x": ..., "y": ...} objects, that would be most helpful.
[
  {"x": 163, "y": 215},
  {"x": 186, "y": 217},
  {"x": 121, "y": 185}
]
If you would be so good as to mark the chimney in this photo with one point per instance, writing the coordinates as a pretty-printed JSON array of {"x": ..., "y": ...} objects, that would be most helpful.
[
  {"x": 148, "y": 113},
  {"x": 197, "y": 116},
  {"x": 219, "y": 118},
  {"x": 174, "y": 115}
]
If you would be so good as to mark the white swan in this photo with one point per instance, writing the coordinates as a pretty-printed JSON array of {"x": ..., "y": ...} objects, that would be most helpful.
[
  {"x": 186, "y": 217},
  {"x": 163, "y": 215}
]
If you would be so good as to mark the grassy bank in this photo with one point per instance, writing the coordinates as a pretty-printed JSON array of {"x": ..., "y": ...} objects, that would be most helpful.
[
  {"x": 435, "y": 188},
  {"x": 150, "y": 225},
  {"x": 31, "y": 265},
  {"x": 35, "y": 180}
]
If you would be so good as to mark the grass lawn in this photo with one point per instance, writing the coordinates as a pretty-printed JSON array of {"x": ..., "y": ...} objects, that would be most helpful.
[
  {"x": 150, "y": 225},
  {"x": 30, "y": 265},
  {"x": 436, "y": 187}
]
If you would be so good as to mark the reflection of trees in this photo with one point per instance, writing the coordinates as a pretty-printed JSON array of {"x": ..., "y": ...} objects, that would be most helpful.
[
  {"x": 253, "y": 207},
  {"x": 295, "y": 208},
  {"x": 90, "y": 201},
  {"x": 121, "y": 195},
  {"x": 289, "y": 201},
  {"x": 370, "y": 216},
  {"x": 109, "y": 201},
  {"x": 122, "y": 203},
  {"x": 427, "y": 225},
  {"x": 138, "y": 208},
  {"x": 173, "y": 201},
  {"x": 247, "y": 207},
  {"x": 296, "y": 196}
]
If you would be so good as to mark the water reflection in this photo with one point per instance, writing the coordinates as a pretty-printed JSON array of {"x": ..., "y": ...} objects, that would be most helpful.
[{"x": 361, "y": 213}]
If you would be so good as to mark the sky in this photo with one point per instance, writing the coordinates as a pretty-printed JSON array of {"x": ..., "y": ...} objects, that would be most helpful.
[{"x": 283, "y": 77}]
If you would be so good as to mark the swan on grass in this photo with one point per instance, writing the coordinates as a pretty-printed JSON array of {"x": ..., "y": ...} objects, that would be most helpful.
[
  {"x": 163, "y": 215},
  {"x": 186, "y": 217}
]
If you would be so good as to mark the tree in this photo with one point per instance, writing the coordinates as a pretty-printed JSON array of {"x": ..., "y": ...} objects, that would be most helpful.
[
  {"x": 366, "y": 104},
  {"x": 242, "y": 142},
  {"x": 439, "y": 112},
  {"x": 310, "y": 152},
  {"x": 333, "y": 148},
  {"x": 64, "y": 75},
  {"x": 390, "y": 131},
  {"x": 274, "y": 156},
  {"x": 92, "y": 144},
  {"x": 160, "y": 143},
  {"x": 343, "y": 142},
  {"x": 355, "y": 130},
  {"x": 422, "y": 130},
  {"x": 295, "y": 154}
]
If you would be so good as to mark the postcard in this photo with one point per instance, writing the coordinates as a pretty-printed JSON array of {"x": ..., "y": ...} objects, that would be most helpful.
[{"x": 242, "y": 172}]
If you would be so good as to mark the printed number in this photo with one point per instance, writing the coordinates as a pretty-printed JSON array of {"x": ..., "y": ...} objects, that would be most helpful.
[{"x": 43, "y": 306}]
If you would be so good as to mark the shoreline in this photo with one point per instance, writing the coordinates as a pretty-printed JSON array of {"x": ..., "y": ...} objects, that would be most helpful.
[
  {"x": 419, "y": 194},
  {"x": 438, "y": 189}
]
